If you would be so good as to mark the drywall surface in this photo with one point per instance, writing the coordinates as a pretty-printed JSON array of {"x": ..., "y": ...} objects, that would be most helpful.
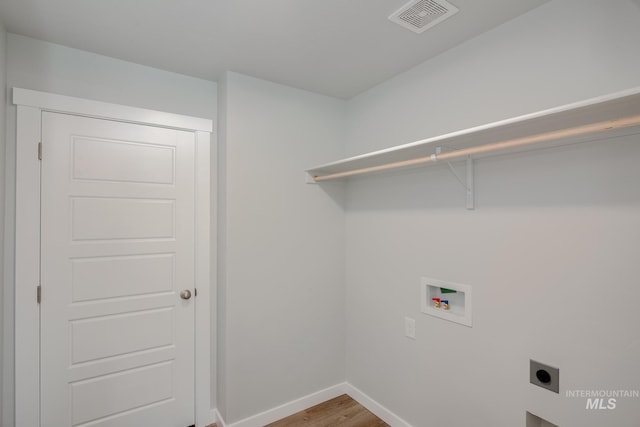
[
  {"x": 550, "y": 251},
  {"x": 558, "y": 53},
  {"x": 33, "y": 64},
  {"x": 219, "y": 324},
  {"x": 281, "y": 254},
  {"x": 3, "y": 102},
  {"x": 48, "y": 67}
]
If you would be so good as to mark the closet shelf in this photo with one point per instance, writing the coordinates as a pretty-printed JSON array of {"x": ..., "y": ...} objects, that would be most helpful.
[{"x": 597, "y": 118}]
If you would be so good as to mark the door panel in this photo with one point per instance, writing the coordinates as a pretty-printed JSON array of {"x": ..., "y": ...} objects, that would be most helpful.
[
  {"x": 120, "y": 334},
  {"x": 94, "y": 159},
  {"x": 122, "y": 391},
  {"x": 112, "y": 277},
  {"x": 99, "y": 218},
  {"x": 117, "y": 248}
]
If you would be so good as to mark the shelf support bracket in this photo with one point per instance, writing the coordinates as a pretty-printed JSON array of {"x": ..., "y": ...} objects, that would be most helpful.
[{"x": 470, "y": 184}]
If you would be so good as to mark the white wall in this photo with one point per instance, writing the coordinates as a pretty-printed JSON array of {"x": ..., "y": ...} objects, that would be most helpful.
[
  {"x": 281, "y": 255},
  {"x": 33, "y": 64},
  {"x": 551, "y": 250},
  {"x": 3, "y": 100},
  {"x": 48, "y": 67}
]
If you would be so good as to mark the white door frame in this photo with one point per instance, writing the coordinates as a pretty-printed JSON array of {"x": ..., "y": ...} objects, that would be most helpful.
[{"x": 30, "y": 105}]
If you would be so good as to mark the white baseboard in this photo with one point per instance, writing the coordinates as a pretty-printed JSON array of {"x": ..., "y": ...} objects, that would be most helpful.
[
  {"x": 378, "y": 410},
  {"x": 217, "y": 418},
  {"x": 310, "y": 400},
  {"x": 287, "y": 409}
]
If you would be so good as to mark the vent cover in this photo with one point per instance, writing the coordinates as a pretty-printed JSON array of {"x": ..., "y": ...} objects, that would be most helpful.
[{"x": 420, "y": 15}]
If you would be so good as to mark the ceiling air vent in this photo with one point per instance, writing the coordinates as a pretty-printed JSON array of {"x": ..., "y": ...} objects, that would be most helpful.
[{"x": 420, "y": 15}]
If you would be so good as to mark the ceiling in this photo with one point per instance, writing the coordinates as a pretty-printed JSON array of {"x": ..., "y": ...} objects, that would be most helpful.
[{"x": 334, "y": 47}]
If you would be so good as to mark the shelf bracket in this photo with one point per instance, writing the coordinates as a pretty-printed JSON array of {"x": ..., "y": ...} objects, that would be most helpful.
[{"x": 470, "y": 185}]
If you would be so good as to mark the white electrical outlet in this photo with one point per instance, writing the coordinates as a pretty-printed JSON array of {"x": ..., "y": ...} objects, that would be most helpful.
[{"x": 410, "y": 327}]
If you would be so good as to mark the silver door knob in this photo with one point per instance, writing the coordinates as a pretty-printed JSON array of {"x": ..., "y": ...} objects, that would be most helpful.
[{"x": 186, "y": 294}]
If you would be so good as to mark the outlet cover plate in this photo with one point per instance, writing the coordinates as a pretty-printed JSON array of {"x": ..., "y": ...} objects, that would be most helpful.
[{"x": 410, "y": 327}]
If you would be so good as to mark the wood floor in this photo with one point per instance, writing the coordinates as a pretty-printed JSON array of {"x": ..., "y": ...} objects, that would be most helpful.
[{"x": 342, "y": 411}]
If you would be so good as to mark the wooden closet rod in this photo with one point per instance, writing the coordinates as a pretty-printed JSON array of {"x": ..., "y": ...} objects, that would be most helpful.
[{"x": 513, "y": 143}]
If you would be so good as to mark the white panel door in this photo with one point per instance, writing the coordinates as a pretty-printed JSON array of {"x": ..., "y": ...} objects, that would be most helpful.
[{"x": 117, "y": 227}]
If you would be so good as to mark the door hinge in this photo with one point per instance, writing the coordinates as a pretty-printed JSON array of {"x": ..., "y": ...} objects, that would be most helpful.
[
  {"x": 39, "y": 294},
  {"x": 39, "y": 150}
]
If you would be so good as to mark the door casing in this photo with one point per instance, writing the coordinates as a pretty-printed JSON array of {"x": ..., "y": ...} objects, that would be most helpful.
[{"x": 30, "y": 105}]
